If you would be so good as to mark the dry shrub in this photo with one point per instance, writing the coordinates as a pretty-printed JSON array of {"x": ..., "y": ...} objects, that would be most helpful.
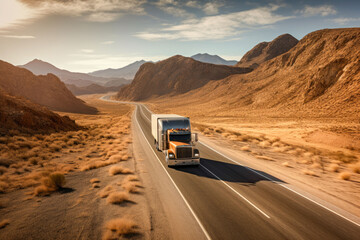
[
  {"x": 118, "y": 228},
  {"x": 315, "y": 165},
  {"x": 303, "y": 161},
  {"x": 34, "y": 160},
  {"x": 333, "y": 167},
  {"x": 309, "y": 172},
  {"x": 308, "y": 154},
  {"x": 3, "y": 186},
  {"x": 115, "y": 158},
  {"x": 131, "y": 178},
  {"x": 95, "y": 185},
  {"x": 118, "y": 170},
  {"x": 105, "y": 191},
  {"x": 124, "y": 157},
  {"x": 54, "y": 181},
  {"x": 265, "y": 144},
  {"x": 94, "y": 180},
  {"x": 356, "y": 168},
  {"x": 130, "y": 187},
  {"x": 345, "y": 176},
  {"x": 41, "y": 191},
  {"x": 4, "y": 223},
  {"x": 5, "y": 161},
  {"x": 245, "y": 148},
  {"x": 54, "y": 148},
  {"x": 117, "y": 197},
  {"x": 286, "y": 164},
  {"x": 3, "y": 170},
  {"x": 265, "y": 158}
]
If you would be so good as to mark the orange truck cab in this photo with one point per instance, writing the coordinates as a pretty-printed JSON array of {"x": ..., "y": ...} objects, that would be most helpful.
[{"x": 172, "y": 135}]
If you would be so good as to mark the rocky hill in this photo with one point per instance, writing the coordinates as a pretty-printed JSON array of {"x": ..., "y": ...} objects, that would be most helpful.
[
  {"x": 265, "y": 51},
  {"x": 172, "y": 76},
  {"x": 214, "y": 59},
  {"x": 127, "y": 72},
  {"x": 319, "y": 77},
  {"x": 39, "y": 67},
  {"x": 46, "y": 90},
  {"x": 20, "y": 114}
]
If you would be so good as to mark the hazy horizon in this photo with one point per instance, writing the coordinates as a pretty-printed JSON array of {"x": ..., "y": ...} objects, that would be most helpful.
[{"x": 85, "y": 36}]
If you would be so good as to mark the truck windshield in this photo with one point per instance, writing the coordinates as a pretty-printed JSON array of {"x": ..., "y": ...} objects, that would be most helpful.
[{"x": 185, "y": 138}]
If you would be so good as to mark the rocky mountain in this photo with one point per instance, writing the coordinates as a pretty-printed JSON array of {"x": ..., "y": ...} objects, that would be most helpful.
[
  {"x": 91, "y": 89},
  {"x": 214, "y": 59},
  {"x": 46, "y": 90},
  {"x": 320, "y": 76},
  {"x": 39, "y": 67},
  {"x": 265, "y": 51},
  {"x": 20, "y": 114},
  {"x": 174, "y": 75},
  {"x": 127, "y": 72}
]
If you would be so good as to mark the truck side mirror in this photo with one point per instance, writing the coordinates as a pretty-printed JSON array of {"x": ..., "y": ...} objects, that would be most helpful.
[{"x": 194, "y": 137}]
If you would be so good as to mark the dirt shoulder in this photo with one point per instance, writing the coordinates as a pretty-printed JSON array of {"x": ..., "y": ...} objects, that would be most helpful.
[{"x": 103, "y": 197}]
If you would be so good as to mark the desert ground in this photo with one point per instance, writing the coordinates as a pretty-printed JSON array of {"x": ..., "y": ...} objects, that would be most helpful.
[
  {"x": 320, "y": 155},
  {"x": 74, "y": 185}
]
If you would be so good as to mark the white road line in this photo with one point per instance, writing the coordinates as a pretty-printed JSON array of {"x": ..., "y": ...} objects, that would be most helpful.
[
  {"x": 182, "y": 196},
  {"x": 236, "y": 192},
  {"x": 272, "y": 180}
]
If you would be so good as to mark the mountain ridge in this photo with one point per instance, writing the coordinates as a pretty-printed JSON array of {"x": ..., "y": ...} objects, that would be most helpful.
[{"x": 214, "y": 59}]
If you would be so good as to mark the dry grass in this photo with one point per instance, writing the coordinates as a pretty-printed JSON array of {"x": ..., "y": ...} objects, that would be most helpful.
[
  {"x": 41, "y": 191},
  {"x": 130, "y": 187},
  {"x": 119, "y": 228},
  {"x": 309, "y": 172},
  {"x": 265, "y": 158},
  {"x": 286, "y": 164},
  {"x": 245, "y": 148},
  {"x": 106, "y": 191},
  {"x": 117, "y": 197},
  {"x": 118, "y": 170},
  {"x": 95, "y": 185},
  {"x": 54, "y": 181},
  {"x": 345, "y": 176},
  {"x": 4, "y": 223},
  {"x": 131, "y": 178},
  {"x": 3, "y": 170},
  {"x": 333, "y": 167},
  {"x": 94, "y": 180},
  {"x": 356, "y": 168},
  {"x": 3, "y": 186}
]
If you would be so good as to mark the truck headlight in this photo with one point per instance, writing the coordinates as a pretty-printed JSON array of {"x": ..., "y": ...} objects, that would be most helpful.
[
  {"x": 171, "y": 155},
  {"x": 196, "y": 155}
]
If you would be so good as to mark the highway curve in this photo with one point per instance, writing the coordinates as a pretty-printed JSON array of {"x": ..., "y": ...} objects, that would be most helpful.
[{"x": 231, "y": 201}]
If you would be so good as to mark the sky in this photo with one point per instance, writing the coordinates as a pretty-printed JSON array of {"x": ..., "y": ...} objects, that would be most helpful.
[{"x": 89, "y": 35}]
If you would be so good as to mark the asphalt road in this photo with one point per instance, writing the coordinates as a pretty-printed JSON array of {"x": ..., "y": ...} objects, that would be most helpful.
[{"x": 231, "y": 201}]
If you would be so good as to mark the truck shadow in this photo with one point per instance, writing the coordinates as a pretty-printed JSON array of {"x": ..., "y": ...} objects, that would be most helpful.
[{"x": 228, "y": 172}]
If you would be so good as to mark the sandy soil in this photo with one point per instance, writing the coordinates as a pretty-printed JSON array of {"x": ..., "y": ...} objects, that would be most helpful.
[
  {"x": 103, "y": 196},
  {"x": 321, "y": 155}
]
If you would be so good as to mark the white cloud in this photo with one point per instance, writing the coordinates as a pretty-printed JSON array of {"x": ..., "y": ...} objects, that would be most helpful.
[
  {"x": 174, "y": 8},
  {"x": 107, "y": 42},
  {"x": 193, "y": 4},
  {"x": 323, "y": 10},
  {"x": 343, "y": 21},
  {"x": 18, "y": 36},
  {"x": 13, "y": 13},
  {"x": 87, "y": 50},
  {"x": 212, "y": 8},
  {"x": 217, "y": 27}
]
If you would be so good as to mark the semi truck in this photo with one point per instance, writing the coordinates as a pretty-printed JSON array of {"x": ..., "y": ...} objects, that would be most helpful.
[{"x": 172, "y": 135}]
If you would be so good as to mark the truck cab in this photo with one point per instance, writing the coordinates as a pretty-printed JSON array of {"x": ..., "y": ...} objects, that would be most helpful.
[{"x": 172, "y": 135}]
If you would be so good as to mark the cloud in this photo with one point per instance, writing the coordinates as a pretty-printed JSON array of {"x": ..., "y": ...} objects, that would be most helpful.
[
  {"x": 212, "y": 8},
  {"x": 217, "y": 27},
  {"x": 87, "y": 50},
  {"x": 107, "y": 42},
  {"x": 323, "y": 10},
  {"x": 174, "y": 8},
  {"x": 193, "y": 4},
  {"x": 18, "y": 36},
  {"x": 14, "y": 13},
  {"x": 343, "y": 21}
]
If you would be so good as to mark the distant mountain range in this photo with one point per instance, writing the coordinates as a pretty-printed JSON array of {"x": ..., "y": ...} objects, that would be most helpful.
[
  {"x": 39, "y": 67},
  {"x": 214, "y": 59},
  {"x": 127, "y": 72}
]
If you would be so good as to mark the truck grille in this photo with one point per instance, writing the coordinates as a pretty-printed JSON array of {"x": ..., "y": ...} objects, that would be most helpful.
[{"x": 184, "y": 152}]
